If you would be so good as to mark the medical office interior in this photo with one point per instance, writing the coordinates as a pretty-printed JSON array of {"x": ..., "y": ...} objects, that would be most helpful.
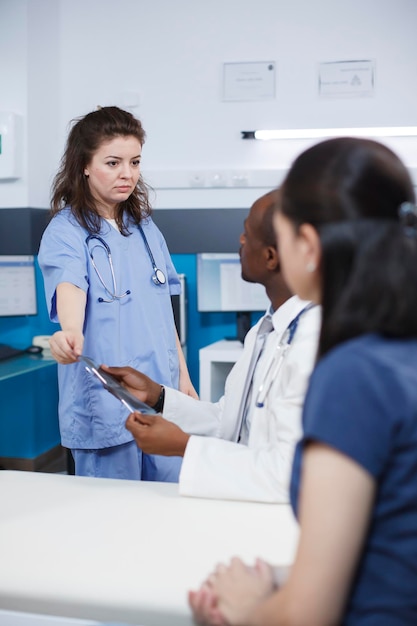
[{"x": 198, "y": 75}]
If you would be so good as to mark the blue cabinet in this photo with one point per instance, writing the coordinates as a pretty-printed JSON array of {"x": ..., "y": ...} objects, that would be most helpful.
[{"x": 29, "y": 431}]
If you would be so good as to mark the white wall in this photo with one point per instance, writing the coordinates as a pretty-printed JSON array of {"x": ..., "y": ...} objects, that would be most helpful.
[
  {"x": 44, "y": 98},
  {"x": 13, "y": 89},
  {"x": 82, "y": 53}
]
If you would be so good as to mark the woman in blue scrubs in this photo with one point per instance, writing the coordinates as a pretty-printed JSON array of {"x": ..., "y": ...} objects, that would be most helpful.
[
  {"x": 347, "y": 232},
  {"x": 108, "y": 281}
]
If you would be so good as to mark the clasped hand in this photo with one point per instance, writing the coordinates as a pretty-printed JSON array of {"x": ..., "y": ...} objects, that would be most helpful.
[{"x": 231, "y": 594}]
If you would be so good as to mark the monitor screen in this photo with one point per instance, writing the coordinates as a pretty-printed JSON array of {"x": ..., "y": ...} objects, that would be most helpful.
[
  {"x": 220, "y": 286},
  {"x": 17, "y": 285}
]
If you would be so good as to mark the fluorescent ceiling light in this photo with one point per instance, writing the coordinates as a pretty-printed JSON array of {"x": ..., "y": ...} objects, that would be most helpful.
[{"x": 314, "y": 133}]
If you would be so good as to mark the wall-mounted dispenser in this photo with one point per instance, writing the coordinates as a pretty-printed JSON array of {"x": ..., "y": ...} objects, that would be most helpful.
[{"x": 10, "y": 146}]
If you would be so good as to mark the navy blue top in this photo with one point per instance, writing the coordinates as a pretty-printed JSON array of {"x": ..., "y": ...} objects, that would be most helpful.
[{"x": 362, "y": 401}]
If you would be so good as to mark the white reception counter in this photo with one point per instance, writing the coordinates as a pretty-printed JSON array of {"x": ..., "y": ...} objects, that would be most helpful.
[{"x": 123, "y": 551}]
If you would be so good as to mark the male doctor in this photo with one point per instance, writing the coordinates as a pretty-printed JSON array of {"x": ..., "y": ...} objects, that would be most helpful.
[{"x": 242, "y": 446}]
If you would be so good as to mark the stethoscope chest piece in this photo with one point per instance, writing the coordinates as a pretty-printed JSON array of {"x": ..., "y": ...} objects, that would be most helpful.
[{"x": 158, "y": 277}]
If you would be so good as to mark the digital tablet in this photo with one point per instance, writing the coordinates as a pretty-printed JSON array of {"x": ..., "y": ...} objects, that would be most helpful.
[{"x": 115, "y": 388}]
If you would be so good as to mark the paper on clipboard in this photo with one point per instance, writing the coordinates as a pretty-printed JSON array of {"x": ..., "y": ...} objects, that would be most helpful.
[{"x": 115, "y": 388}]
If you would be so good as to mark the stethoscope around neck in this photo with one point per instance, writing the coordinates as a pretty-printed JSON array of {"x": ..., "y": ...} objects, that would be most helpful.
[
  {"x": 279, "y": 356},
  {"x": 158, "y": 276}
]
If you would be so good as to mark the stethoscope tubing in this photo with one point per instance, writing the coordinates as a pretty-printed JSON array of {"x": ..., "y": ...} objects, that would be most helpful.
[
  {"x": 158, "y": 276},
  {"x": 112, "y": 294},
  {"x": 278, "y": 358},
  {"x": 271, "y": 373}
]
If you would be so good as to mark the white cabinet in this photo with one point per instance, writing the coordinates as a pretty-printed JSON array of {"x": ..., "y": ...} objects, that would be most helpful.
[{"x": 216, "y": 361}]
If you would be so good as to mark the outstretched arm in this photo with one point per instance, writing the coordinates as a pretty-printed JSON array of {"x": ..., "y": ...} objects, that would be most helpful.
[{"x": 67, "y": 343}]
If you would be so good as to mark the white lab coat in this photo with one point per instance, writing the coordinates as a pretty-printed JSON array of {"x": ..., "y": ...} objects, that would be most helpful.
[{"x": 214, "y": 464}]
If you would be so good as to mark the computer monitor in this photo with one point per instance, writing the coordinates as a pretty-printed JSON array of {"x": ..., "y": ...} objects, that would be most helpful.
[
  {"x": 220, "y": 287},
  {"x": 17, "y": 285}
]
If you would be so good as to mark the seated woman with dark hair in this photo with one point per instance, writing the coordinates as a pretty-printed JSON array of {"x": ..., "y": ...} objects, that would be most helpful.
[{"x": 347, "y": 231}]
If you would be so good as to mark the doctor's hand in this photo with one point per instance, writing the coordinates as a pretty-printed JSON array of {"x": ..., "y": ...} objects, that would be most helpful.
[
  {"x": 66, "y": 346},
  {"x": 140, "y": 385},
  {"x": 156, "y": 435}
]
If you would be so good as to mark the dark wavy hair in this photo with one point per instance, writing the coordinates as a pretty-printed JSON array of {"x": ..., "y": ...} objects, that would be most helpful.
[
  {"x": 70, "y": 187},
  {"x": 350, "y": 190}
]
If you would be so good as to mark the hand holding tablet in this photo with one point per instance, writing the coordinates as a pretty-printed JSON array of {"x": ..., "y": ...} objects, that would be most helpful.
[{"x": 114, "y": 387}]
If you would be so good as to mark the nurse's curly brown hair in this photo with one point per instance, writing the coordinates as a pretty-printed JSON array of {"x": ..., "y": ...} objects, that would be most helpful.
[{"x": 70, "y": 187}]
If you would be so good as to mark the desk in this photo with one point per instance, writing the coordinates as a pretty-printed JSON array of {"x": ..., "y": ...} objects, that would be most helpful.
[
  {"x": 216, "y": 361},
  {"x": 29, "y": 431},
  {"x": 15, "y": 618},
  {"x": 123, "y": 551},
  {"x": 24, "y": 364}
]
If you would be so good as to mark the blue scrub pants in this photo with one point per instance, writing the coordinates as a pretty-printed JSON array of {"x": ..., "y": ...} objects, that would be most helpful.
[{"x": 126, "y": 461}]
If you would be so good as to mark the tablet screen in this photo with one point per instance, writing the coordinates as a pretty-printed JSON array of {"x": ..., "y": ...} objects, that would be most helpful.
[{"x": 115, "y": 388}]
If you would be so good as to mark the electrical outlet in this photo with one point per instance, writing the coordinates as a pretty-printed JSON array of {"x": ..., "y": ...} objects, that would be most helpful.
[
  {"x": 218, "y": 179},
  {"x": 240, "y": 179},
  {"x": 197, "y": 179}
]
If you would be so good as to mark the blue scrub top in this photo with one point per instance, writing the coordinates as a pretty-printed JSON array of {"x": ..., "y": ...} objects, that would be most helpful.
[{"x": 137, "y": 330}]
